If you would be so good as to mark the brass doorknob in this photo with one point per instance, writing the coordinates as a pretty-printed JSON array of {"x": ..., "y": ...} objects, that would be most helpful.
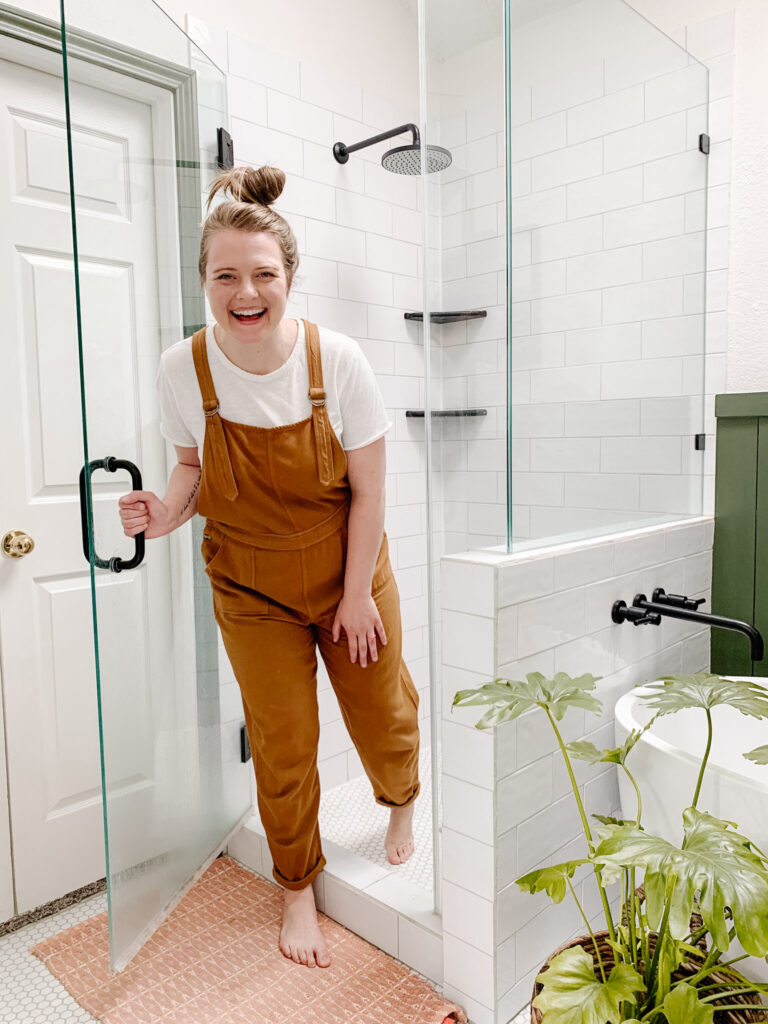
[{"x": 16, "y": 544}]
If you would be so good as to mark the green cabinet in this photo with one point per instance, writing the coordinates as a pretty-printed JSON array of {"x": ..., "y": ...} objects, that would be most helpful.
[{"x": 740, "y": 553}]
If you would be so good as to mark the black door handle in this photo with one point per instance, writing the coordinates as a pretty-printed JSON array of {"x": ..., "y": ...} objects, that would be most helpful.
[{"x": 111, "y": 464}]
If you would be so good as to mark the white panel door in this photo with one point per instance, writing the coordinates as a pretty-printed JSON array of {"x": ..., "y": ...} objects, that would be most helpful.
[{"x": 46, "y": 631}]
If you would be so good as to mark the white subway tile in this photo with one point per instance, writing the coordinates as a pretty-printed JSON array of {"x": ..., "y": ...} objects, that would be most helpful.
[
  {"x": 571, "y": 238},
  {"x": 549, "y": 621},
  {"x": 249, "y": 59},
  {"x": 566, "y": 312},
  {"x": 605, "y": 192},
  {"x": 603, "y": 344},
  {"x": 576, "y": 81},
  {"x": 539, "y": 136},
  {"x": 468, "y": 863},
  {"x": 643, "y": 301},
  {"x": 524, "y": 580},
  {"x": 676, "y": 336},
  {"x": 468, "y": 641},
  {"x": 468, "y": 915},
  {"x": 674, "y": 175},
  {"x": 308, "y": 198},
  {"x": 585, "y": 565},
  {"x": 606, "y": 114},
  {"x": 475, "y": 969},
  {"x": 247, "y": 100},
  {"x": 573, "y": 163},
  {"x": 660, "y": 219},
  {"x": 420, "y": 949},
  {"x": 467, "y": 587},
  {"x": 363, "y": 285},
  {"x": 640, "y": 455},
  {"x": 259, "y": 145},
  {"x": 647, "y": 378},
  {"x": 468, "y": 809},
  {"x": 321, "y": 87},
  {"x": 297, "y": 117},
  {"x": 521, "y": 795},
  {"x": 559, "y": 384},
  {"x": 347, "y": 317}
]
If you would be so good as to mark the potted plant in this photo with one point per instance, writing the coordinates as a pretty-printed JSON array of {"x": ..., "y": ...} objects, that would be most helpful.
[{"x": 660, "y": 956}]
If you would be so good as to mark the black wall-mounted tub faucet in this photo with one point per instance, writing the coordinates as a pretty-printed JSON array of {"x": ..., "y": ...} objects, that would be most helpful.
[{"x": 676, "y": 606}]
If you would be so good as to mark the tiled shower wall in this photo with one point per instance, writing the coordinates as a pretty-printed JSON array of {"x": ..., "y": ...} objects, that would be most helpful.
[
  {"x": 507, "y": 805},
  {"x": 358, "y": 228},
  {"x": 607, "y": 270}
]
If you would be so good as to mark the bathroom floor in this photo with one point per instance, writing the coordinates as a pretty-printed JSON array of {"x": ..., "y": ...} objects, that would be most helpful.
[{"x": 351, "y": 818}]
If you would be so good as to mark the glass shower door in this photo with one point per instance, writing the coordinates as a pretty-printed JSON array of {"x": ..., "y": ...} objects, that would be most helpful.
[{"x": 143, "y": 104}]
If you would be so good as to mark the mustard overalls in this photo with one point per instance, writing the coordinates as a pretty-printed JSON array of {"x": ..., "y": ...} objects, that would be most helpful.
[{"x": 276, "y": 502}]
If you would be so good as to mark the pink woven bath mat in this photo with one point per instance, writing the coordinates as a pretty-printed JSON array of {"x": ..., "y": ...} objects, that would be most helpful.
[{"x": 215, "y": 960}]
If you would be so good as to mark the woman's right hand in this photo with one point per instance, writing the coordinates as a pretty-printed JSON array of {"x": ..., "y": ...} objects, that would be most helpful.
[{"x": 143, "y": 511}]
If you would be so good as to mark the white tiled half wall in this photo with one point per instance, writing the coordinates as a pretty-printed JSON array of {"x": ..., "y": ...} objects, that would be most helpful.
[
  {"x": 358, "y": 229},
  {"x": 507, "y": 805}
]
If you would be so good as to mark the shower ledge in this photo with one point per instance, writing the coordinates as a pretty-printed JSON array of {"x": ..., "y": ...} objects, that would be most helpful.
[{"x": 391, "y": 913}]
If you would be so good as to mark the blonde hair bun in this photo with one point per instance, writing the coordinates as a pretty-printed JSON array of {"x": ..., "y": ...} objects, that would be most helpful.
[{"x": 261, "y": 185}]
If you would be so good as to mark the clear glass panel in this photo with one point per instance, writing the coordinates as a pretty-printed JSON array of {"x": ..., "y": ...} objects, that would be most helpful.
[
  {"x": 144, "y": 104},
  {"x": 572, "y": 222},
  {"x": 606, "y": 256}
]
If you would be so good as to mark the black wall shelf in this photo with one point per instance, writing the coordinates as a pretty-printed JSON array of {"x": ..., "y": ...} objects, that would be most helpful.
[
  {"x": 449, "y": 317},
  {"x": 447, "y": 412}
]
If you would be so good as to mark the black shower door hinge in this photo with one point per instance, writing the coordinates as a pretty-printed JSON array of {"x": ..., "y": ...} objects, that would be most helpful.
[{"x": 226, "y": 154}]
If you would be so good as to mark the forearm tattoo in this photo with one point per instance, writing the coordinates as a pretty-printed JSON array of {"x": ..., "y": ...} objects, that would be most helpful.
[{"x": 192, "y": 495}]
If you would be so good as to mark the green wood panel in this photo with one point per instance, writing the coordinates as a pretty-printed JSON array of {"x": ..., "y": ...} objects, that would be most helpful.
[
  {"x": 748, "y": 404},
  {"x": 733, "y": 565},
  {"x": 761, "y": 541}
]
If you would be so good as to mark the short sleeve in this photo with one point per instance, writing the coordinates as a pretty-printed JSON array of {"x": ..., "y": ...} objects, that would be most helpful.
[
  {"x": 364, "y": 418},
  {"x": 172, "y": 425}
]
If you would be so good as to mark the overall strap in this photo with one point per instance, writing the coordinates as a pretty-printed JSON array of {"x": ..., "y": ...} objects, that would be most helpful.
[
  {"x": 222, "y": 466},
  {"x": 321, "y": 425}
]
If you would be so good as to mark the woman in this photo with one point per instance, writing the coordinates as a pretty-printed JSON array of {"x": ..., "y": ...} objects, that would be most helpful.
[{"x": 291, "y": 427}]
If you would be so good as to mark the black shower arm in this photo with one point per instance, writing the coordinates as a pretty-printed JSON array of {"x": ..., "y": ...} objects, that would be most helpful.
[
  {"x": 340, "y": 150},
  {"x": 672, "y": 612}
]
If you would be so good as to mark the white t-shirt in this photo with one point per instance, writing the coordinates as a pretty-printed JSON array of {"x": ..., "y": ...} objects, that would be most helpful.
[{"x": 353, "y": 400}]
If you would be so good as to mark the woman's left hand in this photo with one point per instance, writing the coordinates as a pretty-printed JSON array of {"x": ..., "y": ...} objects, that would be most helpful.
[{"x": 360, "y": 620}]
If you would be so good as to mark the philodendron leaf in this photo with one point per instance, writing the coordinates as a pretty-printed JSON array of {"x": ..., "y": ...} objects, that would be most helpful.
[
  {"x": 551, "y": 880},
  {"x": 759, "y": 755},
  {"x": 715, "y": 861},
  {"x": 682, "y": 1006},
  {"x": 571, "y": 994},
  {"x": 510, "y": 698},
  {"x": 705, "y": 690},
  {"x": 583, "y": 750}
]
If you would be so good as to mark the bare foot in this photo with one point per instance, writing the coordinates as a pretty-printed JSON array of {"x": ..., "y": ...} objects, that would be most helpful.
[
  {"x": 398, "y": 841},
  {"x": 300, "y": 937}
]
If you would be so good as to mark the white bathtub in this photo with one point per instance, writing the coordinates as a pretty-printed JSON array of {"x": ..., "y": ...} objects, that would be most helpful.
[{"x": 665, "y": 762}]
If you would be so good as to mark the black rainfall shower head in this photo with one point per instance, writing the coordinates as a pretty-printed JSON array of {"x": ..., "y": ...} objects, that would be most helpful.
[
  {"x": 403, "y": 159},
  {"x": 407, "y": 159}
]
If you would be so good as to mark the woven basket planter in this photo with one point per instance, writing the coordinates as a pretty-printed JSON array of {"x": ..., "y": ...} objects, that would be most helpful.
[{"x": 728, "y": 977}]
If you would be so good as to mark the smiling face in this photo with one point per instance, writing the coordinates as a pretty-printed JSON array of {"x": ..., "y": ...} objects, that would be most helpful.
[{"x": 246, "y": 284}]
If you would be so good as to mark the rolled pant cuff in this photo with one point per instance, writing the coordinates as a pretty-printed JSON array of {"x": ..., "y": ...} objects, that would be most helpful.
[
  {"x": 411, "y": 798},
  {"x": 302, "y": 883}
]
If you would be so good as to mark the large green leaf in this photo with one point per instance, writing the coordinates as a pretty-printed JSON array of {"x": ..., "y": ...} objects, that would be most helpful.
[
  {"x": 715, "y": 861},
  {"x": 510, "y": 698},
  {"x": 583, "y": 750},
  {"x": 551, "y": 880},
  {"x": 759, "y": 755},
  {"x": 571, "y": 993},
  {"x": 705, "y": 690},
  {"x": 682, "y": 1006}
]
